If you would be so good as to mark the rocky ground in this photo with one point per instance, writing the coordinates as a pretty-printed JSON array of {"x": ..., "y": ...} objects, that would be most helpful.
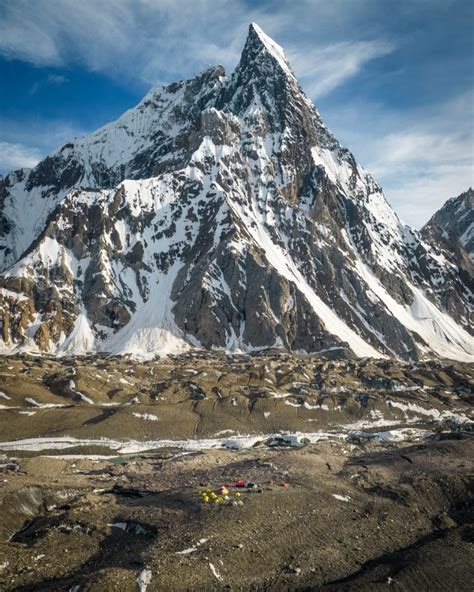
[
  {"x": 363, "y": 474},
  {"x": 203, "y": 395}
]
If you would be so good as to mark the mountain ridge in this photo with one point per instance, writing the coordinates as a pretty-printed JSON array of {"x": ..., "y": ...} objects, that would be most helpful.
[
  {"x": 455, "y": 218},
  {"x": 220, "y": 212}
]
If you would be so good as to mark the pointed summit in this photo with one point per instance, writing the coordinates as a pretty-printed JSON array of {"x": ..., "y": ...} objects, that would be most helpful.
[
  {"x": 258, "y": 37},
  {"x": 259, "y": 47},
  {"x": 264, "y": 77}
]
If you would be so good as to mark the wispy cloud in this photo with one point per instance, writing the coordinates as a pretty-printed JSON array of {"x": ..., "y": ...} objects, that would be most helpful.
[
  {"x": 56, "y": 79},
  {"x": 416, "y": 148},
  {"x": 24, "y": 143},
  {"x": 420, "y": 167},
  {"x": 322, "y": 70},
  {"x": 51, "y": 79},
  {"x": 428, "y": 159},
  {"x": 131, "y": 37},
  {"x": 420, "y": 157},
  {"x": 416, "y": 198},
  {"x": 17, "y": 156},
  {"x": 161, "y": 39}
]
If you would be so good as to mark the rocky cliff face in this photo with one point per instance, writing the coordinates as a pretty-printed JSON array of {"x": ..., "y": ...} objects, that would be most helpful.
[
  {"x": 451, "y": 231},
  {"x": 455, "y": 220},
  {"x": 221, "y": 213}
]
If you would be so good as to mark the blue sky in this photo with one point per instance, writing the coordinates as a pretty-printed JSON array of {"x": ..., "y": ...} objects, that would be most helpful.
[{"x": 392, "y": 79}]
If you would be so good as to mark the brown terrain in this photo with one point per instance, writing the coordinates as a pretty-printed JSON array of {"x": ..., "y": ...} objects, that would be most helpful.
[{"x": 362, "y": 473}]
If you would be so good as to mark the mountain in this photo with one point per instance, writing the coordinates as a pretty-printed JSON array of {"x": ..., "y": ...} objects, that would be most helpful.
[
  {"x": 455, "y": 218},
  {"x": 221, "y": 212}
]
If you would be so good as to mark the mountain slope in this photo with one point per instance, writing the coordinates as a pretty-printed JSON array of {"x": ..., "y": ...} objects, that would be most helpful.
[
  {"x": 456, "y": 217},
  {"x": 242, "y": 224}
]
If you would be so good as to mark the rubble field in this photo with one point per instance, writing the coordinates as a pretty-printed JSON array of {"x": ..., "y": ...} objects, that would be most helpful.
[{"x": 235, "y": 472}]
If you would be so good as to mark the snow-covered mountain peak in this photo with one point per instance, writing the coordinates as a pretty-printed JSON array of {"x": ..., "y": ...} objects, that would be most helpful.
[
  {"x": 221, "y": 213},
  {"x": 260, "y": 43},
  {"x": 263, "y": 77}
]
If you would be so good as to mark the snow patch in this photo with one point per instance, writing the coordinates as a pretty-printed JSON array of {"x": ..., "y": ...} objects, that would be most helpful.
[
  {"x": 144, "y": 580},
  {"x": 146, "y": 416},
  {"x": 342, "y": 498}
]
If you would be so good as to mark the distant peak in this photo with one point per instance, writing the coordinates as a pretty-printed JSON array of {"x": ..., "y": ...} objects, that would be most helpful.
[{"x": 258, "y": 38}]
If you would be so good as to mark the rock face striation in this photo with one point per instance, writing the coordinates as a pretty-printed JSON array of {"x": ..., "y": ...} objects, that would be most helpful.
[{"x": 221, "y": 212}]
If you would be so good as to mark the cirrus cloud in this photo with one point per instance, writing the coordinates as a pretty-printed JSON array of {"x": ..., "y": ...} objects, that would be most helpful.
[
  {"x": 324, "y": 69},
  {"x": 158, "y": 40}
]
